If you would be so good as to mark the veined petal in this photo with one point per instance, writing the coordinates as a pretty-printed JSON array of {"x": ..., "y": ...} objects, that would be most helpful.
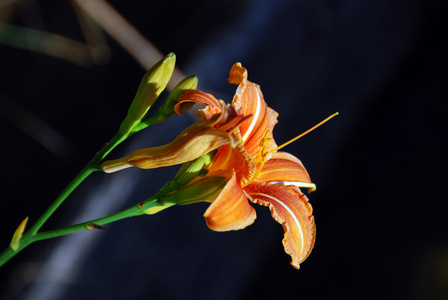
[
  {"x": 252, "y": 143},
  {"x": 231, "y": 209},
  {"x": 195, "y": 141},
  {"x": 285, "y": 168},
  {"x": 290, "y": 207},
  {"x": 249, "y": 100},
  {"x": 189, "y": 98}
]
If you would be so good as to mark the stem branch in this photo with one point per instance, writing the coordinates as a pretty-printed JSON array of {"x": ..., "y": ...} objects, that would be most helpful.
[{"x": 31, "y": 236}]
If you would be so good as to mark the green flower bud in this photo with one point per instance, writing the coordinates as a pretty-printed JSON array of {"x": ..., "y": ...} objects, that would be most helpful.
[
  {"x": 208, "y": 158},
  {"x": 151, "y": 86},
  {"x": 187, "y": 173},
  {"x": 205, "y": 189}
]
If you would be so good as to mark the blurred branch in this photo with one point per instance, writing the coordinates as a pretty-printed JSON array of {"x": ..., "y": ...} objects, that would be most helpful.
[
  {"x": 94, "y": 36},
  {"x": 46, "y": 43},
  {"x": 103, "y": 16},
  {"x": 126, "y": 35}
]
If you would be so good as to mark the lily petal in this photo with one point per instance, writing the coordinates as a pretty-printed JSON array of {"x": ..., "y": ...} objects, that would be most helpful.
[
  {"x": 189, "y": 98},
  {"x": 249, "y": 100},
  {"x": 290, "y": 207},
  {"x": 231, "y": 209},
  {"x": 283, "y": 167},
  {"x": 195, "y": 141}
]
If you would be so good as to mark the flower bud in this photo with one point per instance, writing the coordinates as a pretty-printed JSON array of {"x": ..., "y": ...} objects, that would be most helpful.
[
  {"x": 187, "y": 173},
  {"x": 203, "y": 190},
  {"x": 208, "y": 158},
  {"x": 17, "y": 237},
  {"x": 151, "y": 86}
]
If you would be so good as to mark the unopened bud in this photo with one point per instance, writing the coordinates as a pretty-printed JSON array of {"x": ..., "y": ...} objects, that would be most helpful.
[
  {"x": 151, "y": 86},
  {"x": 203, "y": 190},
  {"x": 188, "y": 172}
]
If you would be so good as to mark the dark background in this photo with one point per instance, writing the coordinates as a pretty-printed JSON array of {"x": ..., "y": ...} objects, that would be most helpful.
[{"x": 380, "y": 167}]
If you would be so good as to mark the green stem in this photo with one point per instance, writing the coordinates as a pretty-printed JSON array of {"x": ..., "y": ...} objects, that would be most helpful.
[
  {"x": 91, "y": 167},
  {"x": 132, "y": 211},
  {"x": 157, "y": 118},
  {"x": 60, "y": 199},
  {"x": 30, "y": 236},
  {"x": 135, "y": 210},
  {"x": 94, "y": 165}
]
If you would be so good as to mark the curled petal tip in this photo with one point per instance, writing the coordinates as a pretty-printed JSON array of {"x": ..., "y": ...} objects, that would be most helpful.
[
  {"x": 189, "y": 98},
  {"x": 237, "y": 74},
  {"x": 169, "y": 106}
]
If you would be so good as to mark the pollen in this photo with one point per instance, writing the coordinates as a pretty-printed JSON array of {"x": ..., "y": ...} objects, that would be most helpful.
[{"x": 262, "y": 154}]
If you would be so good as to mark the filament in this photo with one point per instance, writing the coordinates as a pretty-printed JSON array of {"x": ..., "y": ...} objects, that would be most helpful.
[{"x": 304, "y": 133}]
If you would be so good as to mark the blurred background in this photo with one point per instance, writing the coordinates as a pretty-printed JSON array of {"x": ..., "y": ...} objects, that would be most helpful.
[{"x": 69, "y": 70}]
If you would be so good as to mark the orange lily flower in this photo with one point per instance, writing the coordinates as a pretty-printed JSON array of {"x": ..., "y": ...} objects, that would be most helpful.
[
  {"x": 247, "y": 157},
  {"x": 257, "y": 171}
]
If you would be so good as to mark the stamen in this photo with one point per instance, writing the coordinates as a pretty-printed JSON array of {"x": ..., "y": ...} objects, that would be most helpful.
[
  {"x": 263, "y": 145},
  {"x": 263, "y": 154},
  {"x": 302, "y": 134}
]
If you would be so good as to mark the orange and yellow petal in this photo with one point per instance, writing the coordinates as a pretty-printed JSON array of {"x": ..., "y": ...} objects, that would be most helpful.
[
  {"x": 237, "y": 74},
  {"x": 290, "y": 207},
  {"x": 231, "y": 209},
  {"x": 249, "y": 101},
  {"x": 195, "y": 141},
  {"x": 285, "y": 168},
  {"x": 189, "y": 98}
]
